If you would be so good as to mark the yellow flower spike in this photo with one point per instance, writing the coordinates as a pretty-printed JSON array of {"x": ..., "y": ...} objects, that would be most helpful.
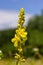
[
  {"x": 21, "y": 18},
  {"x": 20, "y": 37}
]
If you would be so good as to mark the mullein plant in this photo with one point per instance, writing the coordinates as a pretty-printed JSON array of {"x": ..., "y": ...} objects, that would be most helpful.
[{"x": 20, "y": 37}]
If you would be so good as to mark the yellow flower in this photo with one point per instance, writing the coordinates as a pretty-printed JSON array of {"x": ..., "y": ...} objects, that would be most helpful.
[
  {"x": 21, "y": 16},
  {"x": 15, "y": 39},
  {"x": 22, "y": 21},
  {"x": 20, "y": 49},
  {"x": 16, "y": 44},
  {"x": 21, "y": 32},
  {"x": 25, "y": 39},
  {"x": 19, "y": 25},
  {"x": 22, "y": 10},
  {"x": 19, "y": 21},
  {"x": 17, "y": 56},
  {"x": 23, "y": 60}
]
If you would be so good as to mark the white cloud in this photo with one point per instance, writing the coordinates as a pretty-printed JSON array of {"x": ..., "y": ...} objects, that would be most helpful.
[{"x": 8, "y": 19}]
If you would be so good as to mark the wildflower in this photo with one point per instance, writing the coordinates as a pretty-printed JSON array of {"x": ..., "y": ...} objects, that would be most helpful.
[
  {"x": 20, "y": 49},
  {"x": 15, "y": 39},
  {"x": 23, "y": 60},
  {"x": 19, "y": 25},
  {"x": 22, "y": 32},
  {"x": 20, "y": 37},
  {"x": 15, "y": 44},
  {"x": 22, "y": 11},
  {"x": 17, "y": 56}
]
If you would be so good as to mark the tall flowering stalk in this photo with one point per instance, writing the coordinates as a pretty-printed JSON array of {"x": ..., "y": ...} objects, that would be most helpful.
[{"x": 20, "y": 37}]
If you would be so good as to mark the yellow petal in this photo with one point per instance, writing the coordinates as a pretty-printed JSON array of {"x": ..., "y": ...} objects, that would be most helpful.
[
  {"x": 22, "y": 10},
  {"x": 20, "y": 49},
  {"x": 23, "y": 60},
  {"x": 15, "y": 44},
  {"x": 16, "y": 57},
  {"x": 13, "y": 39}
]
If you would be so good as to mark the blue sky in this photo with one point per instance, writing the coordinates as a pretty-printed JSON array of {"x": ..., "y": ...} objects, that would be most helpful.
[
  {"x": 9, "y": 10},
  {"x": 30, "y": 6}
]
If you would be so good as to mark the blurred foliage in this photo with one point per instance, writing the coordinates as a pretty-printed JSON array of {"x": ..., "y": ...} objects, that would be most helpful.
[
  {"x": 35, "y": 32},
  {"x": 5, "y": 42},
  {"x": 35, "y": 38}
]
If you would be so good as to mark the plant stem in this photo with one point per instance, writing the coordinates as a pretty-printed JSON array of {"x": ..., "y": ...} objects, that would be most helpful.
[{"x": 18, "y": 62}]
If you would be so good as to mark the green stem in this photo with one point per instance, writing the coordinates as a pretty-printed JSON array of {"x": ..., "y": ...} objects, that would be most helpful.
[{"x": 18, "y": 62}]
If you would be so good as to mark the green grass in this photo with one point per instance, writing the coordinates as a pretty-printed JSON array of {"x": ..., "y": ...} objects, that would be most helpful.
[{"x": 28, "y": 62}]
